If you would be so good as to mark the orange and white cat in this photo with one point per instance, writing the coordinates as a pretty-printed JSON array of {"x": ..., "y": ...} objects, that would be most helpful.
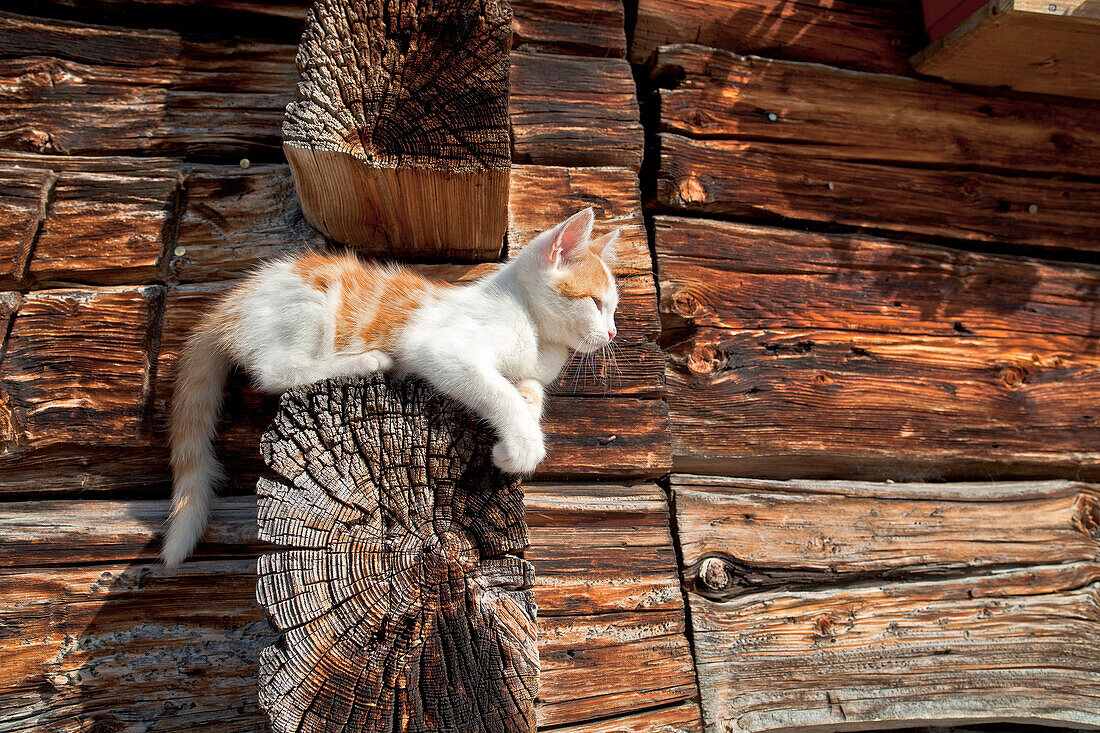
[{"x": 492, "y": 345}]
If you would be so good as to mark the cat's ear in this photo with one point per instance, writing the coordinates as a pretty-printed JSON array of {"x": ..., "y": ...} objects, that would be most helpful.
[
  {"x": 568, "y": 237},
  {"x": 607, "y": 247}
]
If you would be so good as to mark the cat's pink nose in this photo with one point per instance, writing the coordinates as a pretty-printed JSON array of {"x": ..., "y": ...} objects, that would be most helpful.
[{"x": 610, "y": 335}]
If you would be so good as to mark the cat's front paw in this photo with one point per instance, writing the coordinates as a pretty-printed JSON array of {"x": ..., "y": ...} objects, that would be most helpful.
[{"x": 519, "y": 455}]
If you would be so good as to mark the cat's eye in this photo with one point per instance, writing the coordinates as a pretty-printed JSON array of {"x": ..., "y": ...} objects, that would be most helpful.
[{"x": 599, "y": 305}]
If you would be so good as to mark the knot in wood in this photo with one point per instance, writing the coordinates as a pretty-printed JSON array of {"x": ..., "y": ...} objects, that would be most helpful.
[
  {"x": 1015, "y": 375},
  {"x": 705, "y": 359},
  {"x": 685, "y": 304},
  {"x": 399, "y": 604},
  {"x": 690, "y": 190},
  {"x": 715, "y": 574}
]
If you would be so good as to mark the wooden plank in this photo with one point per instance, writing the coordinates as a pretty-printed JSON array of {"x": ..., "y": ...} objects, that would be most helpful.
[
  {"x": 1010, "y": 646},
  {"x": 968, "y": 619},
  {"x": 583, "y": 27},
  {"x": 683, "y": 718},
  {"x": 77, "y": 370},
  {"x": 65, "y": 222},
  {"x": 855, "y": 34},
  {"x": 849, "y": 357},
  {"x": 234, "y": 219},
  {"x": 751, "y": 534},
  {"x": 24, "y": 195},
  {"x": 106, "y": 229},
  {"x": 776, "y": 181},
  {"x": 580, "y": 27},
  {"x": 1045, "y": 48},
  {"x": 574, "y": 111},
  {"x": 852, "y": 116},
  {"x": 76, "y": 88},
  {"x": 627, "y": 626}
]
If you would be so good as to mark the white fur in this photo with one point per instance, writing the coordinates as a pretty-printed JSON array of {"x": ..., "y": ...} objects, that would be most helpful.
[{"x": 492, "y": 345}]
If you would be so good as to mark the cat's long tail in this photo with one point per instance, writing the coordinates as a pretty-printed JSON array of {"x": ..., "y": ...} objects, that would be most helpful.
[{"x": 203, "y": 369}]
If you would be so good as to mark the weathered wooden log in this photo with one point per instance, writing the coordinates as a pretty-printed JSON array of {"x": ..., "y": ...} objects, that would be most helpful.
[
  {"x": 735, "y": 144},
  {"x": 839, "y": 605},
  {"x": 855, "y": 34},
  {"x": 117, "y": 641},
  {"x": 557, "y": 100},
  {"x": 23, "y": 199},
  {"x": 77, "y": 370},
  {"x": 581, "y": 27},
  {"x": 398, "y": 139},
  {"x": 795, "y": 355},
  {"x": 400, "y": 601},
  {"x": 855, "y": 116}
]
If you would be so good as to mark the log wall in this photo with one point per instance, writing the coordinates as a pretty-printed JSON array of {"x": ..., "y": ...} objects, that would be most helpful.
[
  {"x": 874, "y": 278},
  {"x": 830, "y": 269},
  {"x": 125, "y": 208}
]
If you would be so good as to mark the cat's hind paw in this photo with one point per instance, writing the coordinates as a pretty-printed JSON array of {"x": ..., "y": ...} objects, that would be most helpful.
[
  {"x": 375, "y": 361},
  {"x": 516, "y": 455}
]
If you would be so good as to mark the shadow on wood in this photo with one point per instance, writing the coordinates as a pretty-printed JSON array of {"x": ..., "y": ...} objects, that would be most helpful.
[{"x": 399, "y": 604}]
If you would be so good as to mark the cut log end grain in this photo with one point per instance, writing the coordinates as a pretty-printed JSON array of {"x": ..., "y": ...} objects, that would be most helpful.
[
  {"x": 399, "y": 604},
  {"x": 402, "y": 116}
]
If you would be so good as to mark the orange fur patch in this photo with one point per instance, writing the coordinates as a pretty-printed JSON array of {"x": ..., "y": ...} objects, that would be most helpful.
[
  {"x": 375, "y": 301},
  {"x": 588, "y": 277},
  {"x": 319, "y": 271}
]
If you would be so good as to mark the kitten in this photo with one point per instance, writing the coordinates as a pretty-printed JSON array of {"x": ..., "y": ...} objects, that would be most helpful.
[{"x": 492, "y": 345}]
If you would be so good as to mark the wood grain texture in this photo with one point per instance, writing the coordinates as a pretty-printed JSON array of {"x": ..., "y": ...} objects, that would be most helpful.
[
  {"x": 72, "y": 88},
  {"x": 773, "y": 181},
  {"x": 77, "y": 88},
  {"x": 63, "y": 225},
  {"x": 826, "y": 605},
  {"x": 400, "y": 601},
  {"x": 852, "y": 116},
  {"x": 398, "y": 135},
  {"x": 24, "y": 196},
  {"x": 103, "y": 228},
  {"x": 234, "y": 219},
  {"x": 739, "y": 535},
  {"x": 581, "y": 27},
  {"x": 574, "y": 111},
  {"x": 856, "y": 34},
  {"x": 193, "y": 666},
  {"x": 77, "y": 371},
  {"x": 849, "y": 357}
]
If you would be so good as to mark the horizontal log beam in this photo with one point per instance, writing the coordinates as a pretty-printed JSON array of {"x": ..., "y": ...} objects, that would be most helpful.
[
  {"x": 851, "y": 116},
  {"x": 848, "y": 357},
  {"x": 583, "y": 27},
  {"x": 611, "y": 615},
  {"x": 854, "y": 34},
  {"x": 87, "y": 89},
  {"x": 78, "y": 370},
  {"x": 574, "y": 111},
  {"x": 968, "y": 618},
  {"x": 741, "y": 535},
  {"x": 773, "y": 181}
]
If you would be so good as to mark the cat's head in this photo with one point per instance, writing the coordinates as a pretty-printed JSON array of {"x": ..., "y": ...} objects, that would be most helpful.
[{"x": 569, "y": 282}]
